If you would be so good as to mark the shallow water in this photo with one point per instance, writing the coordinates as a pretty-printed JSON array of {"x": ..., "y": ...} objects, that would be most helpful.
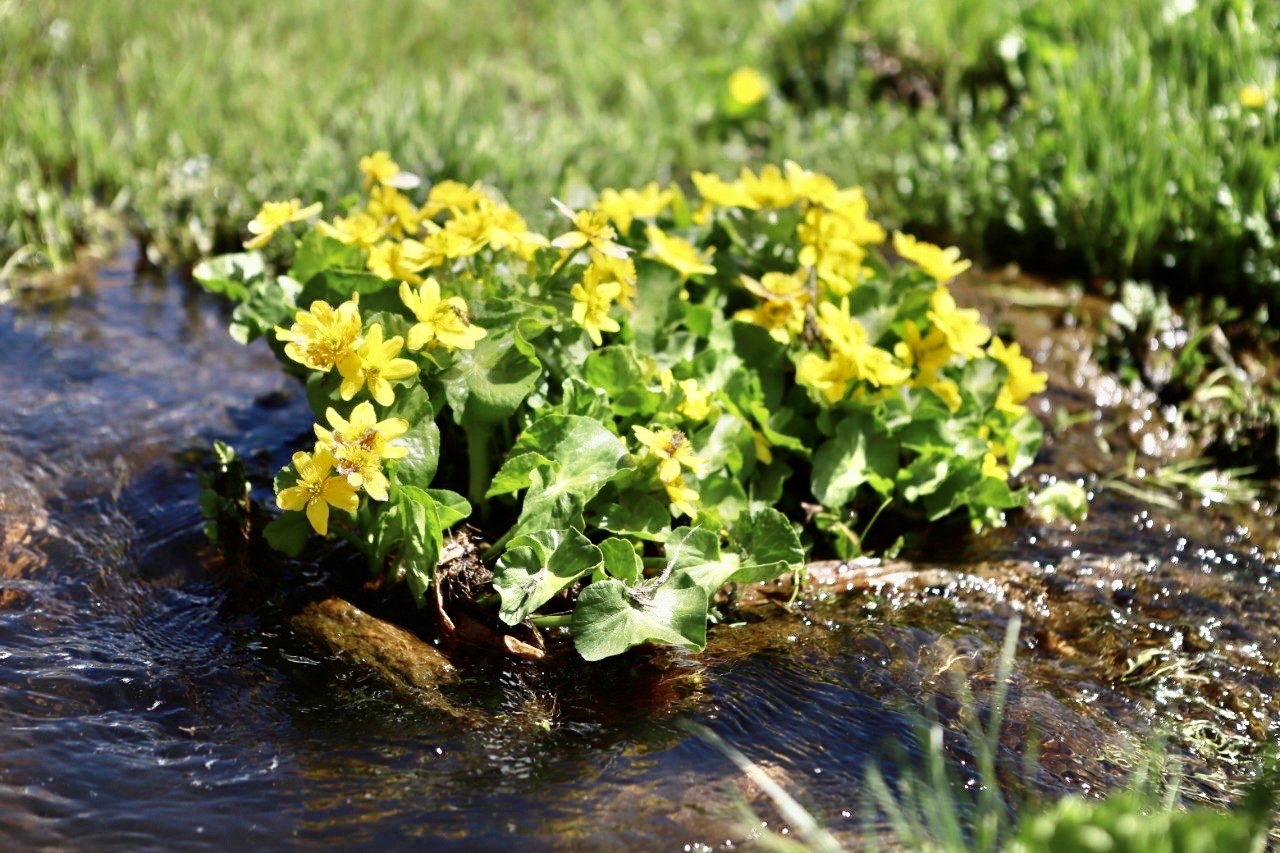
[{"x": 147, "y": 702}]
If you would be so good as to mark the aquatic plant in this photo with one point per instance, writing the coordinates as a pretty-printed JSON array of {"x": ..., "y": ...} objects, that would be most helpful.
[{"x": 666, "y": 396}]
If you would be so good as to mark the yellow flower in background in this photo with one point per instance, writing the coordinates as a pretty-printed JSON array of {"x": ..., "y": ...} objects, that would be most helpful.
[
  {"x": 399, "y": 260},
  {"x": 770, "y": 189},
  {"x": 962, "y": 327},
  {"x": 851, "y": 347},
  {"x": 621, "y": 270},
  {"x": 696, "y": 405},
  {"x": 359, "y": 446},
  {"x": 316, "y": 490},
  {"x": 782, "y": 307},
  {"x": 441, "y": 320},
  {"x": 590, "y": 228},
  {"x": 747, "y": 86},
  {"x": 453, "y": 196},
  {"x": 592, "y": 299},
  {"x": 358, "y": 229},
  {"x": 682, "y": 498},
  {"x": 672, "y": 449},
  {"x": 508, "y": 230},
  {"x": 928, "y": 353},
  {"x": 991, "y": 467},
  {"x": 678, "y": 253},
  {"x": 375, "y": 367},
  {"x": 942, "y": 264},
  {"x": 274, "y": 215},
  {"x": 625, "y": 206},
  {"x": 324, "y": 336},
  {"x": 393, "y": 210},
  {"x": 1253, "y": 97},
  {"x": 380, "y": 170},
  {"x": 1023, "y": 380},
  {"x": 717, "y": 192}
]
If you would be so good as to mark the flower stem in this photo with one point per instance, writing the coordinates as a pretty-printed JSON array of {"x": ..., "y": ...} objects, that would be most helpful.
[{"x": 478, "y": 467}]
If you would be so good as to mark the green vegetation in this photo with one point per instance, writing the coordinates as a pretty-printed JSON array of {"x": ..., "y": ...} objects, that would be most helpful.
[
  {"x": 723, "y": 362},
  {"x": 1118, "y": 139}
]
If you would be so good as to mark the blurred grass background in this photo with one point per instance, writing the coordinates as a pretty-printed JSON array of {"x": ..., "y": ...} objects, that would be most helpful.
[{"x": 1081, "y": 138}]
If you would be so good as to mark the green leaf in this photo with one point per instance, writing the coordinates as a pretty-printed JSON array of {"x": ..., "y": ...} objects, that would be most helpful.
[
  {"x": 538, "y": 565},
  {"x": 621, "y": 560},
  {"x": 414, "y": 526},
  {"x": 515, "y": 472},
  {"x": 694, "y": 552},
  {"x": 317, "y": 253},
  {"x": 288, "y": 533},
  {"x": 322, "y": 394},
  {"x": 611, "y": 618},
  {"x": 769, "y": 546},
  {"x": 632, "y": 513},
  {"x": 337, "y": 286},
  {"x": 581, "y": 457},
  {"x": 422, "y": 440},
  {"x": 861, "y": 452},
  {"x": 268, "y": 303},
  {"x": 657, "y": 304},
  {"x": 619, "y": 372},
  {"x": 488, "y": 384},
  {"x": 230, "y": 275},
  {"x": 451, "y": 507}
]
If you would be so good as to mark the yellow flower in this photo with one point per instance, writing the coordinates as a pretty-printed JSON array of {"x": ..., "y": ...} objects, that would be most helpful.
[
  {"x": 679, "y": 254},
  {"x": 769, "y": 189},
  {"x": 390, "y": 207},
  {"x": 358, "y": 229},
  {"x": 399, "y": 260},
  {"x": 623, "y": 207},
  {"x": 683, "y": 499},
  {"x": 360, "y": 444},
  {"x": 1022, "y": 381},
  {"x": 717, "y": 192},
  {"x": 942, "y": 264},
  {"x": 323, "y": 337},
  {"x": 673, "y": 449},
  {"x": 962, "y": 327},
  {"x": 273, "y": 216},
  {"x": 852, "y": 358},
  {"x": 379, "y": 169},
  {"x": 782, "y": 310},
  {"x": 1253, "y": 97},
  {"x": 991, "y": 467},
  {"x": 590, "y": 228},
  {"x": 592, "y": 299},
  {"x": 375, "y": 367},
  {"x": 508, "y": 230},
  {"x": 316, "y": 491},
  {"x": 621, "y": 270},
  {"x": 441, "y": 320},
  {"x": 747, "y": 87},
  {"x": 455, "y": 197}
]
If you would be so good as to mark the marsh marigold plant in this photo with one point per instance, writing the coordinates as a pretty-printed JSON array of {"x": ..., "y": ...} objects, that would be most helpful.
[{"x": 663, "y": 395}]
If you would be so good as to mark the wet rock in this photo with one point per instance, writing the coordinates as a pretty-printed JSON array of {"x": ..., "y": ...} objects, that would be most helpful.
[
  {"x": 411, "y": 668},
  {"x": 23, "y": 520}
]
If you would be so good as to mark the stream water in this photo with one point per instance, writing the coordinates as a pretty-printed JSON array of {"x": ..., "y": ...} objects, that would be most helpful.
[{"x": 147, "y": 703}]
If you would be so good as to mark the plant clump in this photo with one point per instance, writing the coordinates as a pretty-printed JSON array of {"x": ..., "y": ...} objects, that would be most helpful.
[{"x": 664, "y": 395}]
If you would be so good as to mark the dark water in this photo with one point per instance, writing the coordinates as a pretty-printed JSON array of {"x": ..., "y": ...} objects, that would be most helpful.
[{"x": 147, "y": 703}]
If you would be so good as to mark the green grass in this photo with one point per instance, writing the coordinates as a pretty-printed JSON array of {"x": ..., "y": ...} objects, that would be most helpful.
[{"x": 1083, "y": 138}]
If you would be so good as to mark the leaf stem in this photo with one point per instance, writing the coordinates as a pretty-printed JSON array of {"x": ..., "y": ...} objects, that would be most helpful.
[
  {"x": 478, "y": 467},
  {"x": 554, "y": 620}
]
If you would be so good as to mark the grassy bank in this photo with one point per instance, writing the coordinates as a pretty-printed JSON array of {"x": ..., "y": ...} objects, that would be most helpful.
[{"x": 1083, "y": 138}]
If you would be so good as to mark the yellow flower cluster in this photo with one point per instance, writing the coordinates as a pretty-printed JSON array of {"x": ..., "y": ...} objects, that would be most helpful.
[
  {"x": 674, "y": 453},
  {"x": 347, "y": 459},
  {"x": 810, "y": 305},
  {"x": 326, "y": 337}
]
